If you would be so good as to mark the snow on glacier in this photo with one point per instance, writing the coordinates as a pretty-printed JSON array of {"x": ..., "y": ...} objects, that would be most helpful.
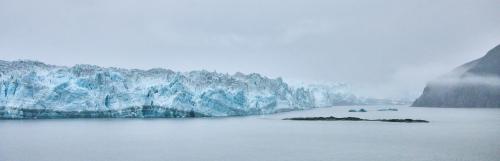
[{"x": 35, "y": 87}]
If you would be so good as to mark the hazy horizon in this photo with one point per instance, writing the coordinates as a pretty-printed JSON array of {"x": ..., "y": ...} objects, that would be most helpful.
[{"x": 383, "y": 48}]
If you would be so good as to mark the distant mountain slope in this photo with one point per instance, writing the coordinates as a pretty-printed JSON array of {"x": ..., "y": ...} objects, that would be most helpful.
[
  {"x": 474, "y": 84},
  {"x": 30, "y": 89}
]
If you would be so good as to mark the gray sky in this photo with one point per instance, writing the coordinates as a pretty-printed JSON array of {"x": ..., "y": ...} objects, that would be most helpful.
[{"x": 384, "y": 48}]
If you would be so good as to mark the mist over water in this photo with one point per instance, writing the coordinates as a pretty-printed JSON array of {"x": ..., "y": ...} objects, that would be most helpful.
[
  {"x": 249, "y": 57},
  {"x": 469, "y": 79}
]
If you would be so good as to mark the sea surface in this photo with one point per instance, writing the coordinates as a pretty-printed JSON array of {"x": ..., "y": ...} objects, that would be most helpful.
[{"x": 453, "y": 134}]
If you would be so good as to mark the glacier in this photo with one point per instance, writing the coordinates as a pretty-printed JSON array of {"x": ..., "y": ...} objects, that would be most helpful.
[{"x": 35, "y": 90}]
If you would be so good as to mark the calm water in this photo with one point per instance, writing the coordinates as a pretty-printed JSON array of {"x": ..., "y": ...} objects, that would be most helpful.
[{"x": 453, "y": 135}]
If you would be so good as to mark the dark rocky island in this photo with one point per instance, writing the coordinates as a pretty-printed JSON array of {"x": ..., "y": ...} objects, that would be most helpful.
[
  {"x": 331, "y": 118},
  {"x": 474, "y": 84}
]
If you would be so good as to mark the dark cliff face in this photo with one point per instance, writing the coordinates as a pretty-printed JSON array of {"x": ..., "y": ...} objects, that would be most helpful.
[
  {"x": 489, "y": 64},
  {"x": 474, "y": 84}
]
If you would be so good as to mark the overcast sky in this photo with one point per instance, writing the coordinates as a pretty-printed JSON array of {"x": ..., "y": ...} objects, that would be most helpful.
[{"x": 384, "y": 48}]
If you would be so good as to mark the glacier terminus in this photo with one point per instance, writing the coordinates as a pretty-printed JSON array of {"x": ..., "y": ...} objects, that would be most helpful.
[{"x": 35, "y": 90}]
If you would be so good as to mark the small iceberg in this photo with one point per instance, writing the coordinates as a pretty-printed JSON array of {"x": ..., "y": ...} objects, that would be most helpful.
[
  {"x": 360, "y": 110},
  {"x": 388, "y": 109}
]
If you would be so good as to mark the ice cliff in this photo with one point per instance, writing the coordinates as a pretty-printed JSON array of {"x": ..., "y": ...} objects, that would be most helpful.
[{"x": 30, "y": 89}]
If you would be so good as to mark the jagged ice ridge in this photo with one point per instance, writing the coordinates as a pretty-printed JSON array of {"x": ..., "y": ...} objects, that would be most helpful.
[{"x": 31, "y": 89}]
